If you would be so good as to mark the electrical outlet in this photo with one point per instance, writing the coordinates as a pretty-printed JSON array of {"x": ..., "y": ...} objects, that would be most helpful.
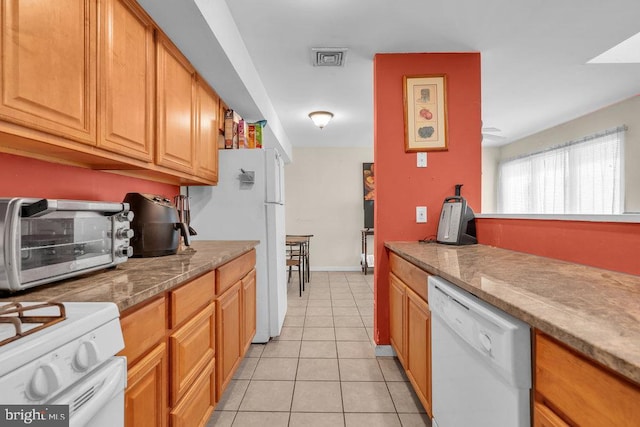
[
  {"x": 422, "y": 160},
  {"x": 421, "y": 214}
]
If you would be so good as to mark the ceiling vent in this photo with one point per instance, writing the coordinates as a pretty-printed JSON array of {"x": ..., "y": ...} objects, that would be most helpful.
[{"x": 328, "y": 56}]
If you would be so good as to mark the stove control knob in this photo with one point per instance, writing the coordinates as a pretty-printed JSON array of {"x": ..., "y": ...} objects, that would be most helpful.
[
  {"x": 44, "y": 382},
  {"x": 86, "y": 356}
]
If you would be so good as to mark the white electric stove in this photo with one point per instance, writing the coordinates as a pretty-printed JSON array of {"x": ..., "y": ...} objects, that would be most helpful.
[{"x": 64, "y": 354}]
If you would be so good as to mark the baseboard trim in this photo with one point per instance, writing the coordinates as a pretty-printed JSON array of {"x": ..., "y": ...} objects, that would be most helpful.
[
  {"x": 347, "y": 268},
  {"x": 385, "y": 351}
]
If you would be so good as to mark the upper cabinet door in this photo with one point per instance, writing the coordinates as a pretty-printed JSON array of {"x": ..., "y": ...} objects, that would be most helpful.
[
  {"x": 48, "y": 73},
  {"x": 207, "y": 140},
  {"x": 175, "y": 105},
  {"x": 127, "y": 75}
]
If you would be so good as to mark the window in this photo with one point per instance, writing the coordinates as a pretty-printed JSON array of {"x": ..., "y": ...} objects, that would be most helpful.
[{"x": 579, "y": 177}]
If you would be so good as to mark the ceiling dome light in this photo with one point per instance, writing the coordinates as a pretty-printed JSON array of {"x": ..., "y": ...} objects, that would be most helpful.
[{"x": 320, "y": 118}]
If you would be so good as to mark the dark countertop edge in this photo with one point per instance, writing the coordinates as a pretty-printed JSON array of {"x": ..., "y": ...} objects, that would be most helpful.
[
  {"x": 159, "y": 289},
  {"x": 592, "y": 350},
  {"x": 73, "y": 290}
]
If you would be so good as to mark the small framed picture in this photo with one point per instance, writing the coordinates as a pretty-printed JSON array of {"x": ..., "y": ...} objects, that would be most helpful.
[{"x": 425, "y": 113}]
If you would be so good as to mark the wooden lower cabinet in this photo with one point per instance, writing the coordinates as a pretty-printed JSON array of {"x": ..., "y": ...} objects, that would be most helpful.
[
  {"x": 184, "y": 347},
  {"x": 197, "y": 405},
  {"x": 418, "y": 360},
  {"x": 146, "y": 395},
  {"x": 249, "y": 309},
  {"x": 229, "y": 334},
  {"x": 574, "y": 390},
  {"x": 397, "y": 304},
  {"x": 191, "y": 349},
  {"x": 544, "y": 416},
  {"x": 410, "y": 324}
]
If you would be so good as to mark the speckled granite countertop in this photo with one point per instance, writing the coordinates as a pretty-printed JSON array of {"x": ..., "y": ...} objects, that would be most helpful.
[
  {"x": 595, "y": 311},
  {"x": 138, "y": 279}
]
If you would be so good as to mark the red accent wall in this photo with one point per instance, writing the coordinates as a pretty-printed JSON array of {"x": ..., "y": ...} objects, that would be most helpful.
[
  {"x": 26, "y": 177},
  {"x": 400, "y": 185},
  {"x": 609, "y": 245}
]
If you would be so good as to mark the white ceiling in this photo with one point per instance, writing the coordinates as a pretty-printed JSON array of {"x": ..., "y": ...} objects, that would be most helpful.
[{"x": 534, "y": 55}]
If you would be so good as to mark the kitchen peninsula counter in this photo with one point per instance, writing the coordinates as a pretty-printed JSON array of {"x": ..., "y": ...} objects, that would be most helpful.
[
  {"x": 138, "y": 279},
  {"x": 595, "y": 311}
]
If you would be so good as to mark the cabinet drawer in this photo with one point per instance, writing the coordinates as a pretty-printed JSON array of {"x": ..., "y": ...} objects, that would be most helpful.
[
  {"x": 191, "y": 348},
  {"x": 545, "y": 417},
  {"x": 414, "y": 277},
  {"x": 142, "y": 329},
  {"x": 228, "y": 274},
  {"x": 582, "y": 391},
  {"x": 197, "y": 405},
  {"x": 187, "y": 300}
]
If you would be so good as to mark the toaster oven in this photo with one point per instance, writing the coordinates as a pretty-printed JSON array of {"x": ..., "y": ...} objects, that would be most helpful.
[{"x": 44, "y": 240}]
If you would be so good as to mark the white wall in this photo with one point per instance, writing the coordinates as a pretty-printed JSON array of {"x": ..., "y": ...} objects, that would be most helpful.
[
  {"x": 323, "y": 188},
  {"x": 623, "y": 113},
  {"x": 490, "y": 159}
]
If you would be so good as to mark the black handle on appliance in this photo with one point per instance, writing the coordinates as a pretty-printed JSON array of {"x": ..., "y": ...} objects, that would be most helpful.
[
  {"x": 184, "y": 231},
  {"x": 454, "y": 199},
  {"x": 458, "y": 187},
  {"x": 34, "y": 208}
]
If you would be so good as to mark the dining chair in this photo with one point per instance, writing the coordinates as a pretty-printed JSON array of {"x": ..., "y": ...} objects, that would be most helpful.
[
  {"x": 304, "y": 249},
  {"x": 295, "y": 259}
]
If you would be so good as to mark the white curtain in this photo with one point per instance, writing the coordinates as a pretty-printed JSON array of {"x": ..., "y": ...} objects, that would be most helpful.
[{"x": 580, "y": 177}]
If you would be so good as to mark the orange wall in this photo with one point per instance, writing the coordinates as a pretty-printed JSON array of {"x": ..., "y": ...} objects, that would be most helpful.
[
  {"x": 26, "y": 177},
  {"x": 609, "y": 245},
  {"x": 400, "y": 185}
]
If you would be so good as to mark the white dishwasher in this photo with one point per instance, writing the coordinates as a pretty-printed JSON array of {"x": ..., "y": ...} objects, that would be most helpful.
[{"x": 481, "y": 361}]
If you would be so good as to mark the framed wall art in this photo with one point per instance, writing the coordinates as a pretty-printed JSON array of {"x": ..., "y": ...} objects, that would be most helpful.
[{"x": 425, "y": 113}]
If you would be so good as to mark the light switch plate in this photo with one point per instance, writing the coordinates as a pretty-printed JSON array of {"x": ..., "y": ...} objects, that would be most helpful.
[
  {"x": 421, "y": 214},
  {"x": 422, "y": 160}
]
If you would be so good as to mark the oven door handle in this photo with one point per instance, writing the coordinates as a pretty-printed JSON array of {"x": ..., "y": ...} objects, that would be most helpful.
[{"x": 107, "y": 382}]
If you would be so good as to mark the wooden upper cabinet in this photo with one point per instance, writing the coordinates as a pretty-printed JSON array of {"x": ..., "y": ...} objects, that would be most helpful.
[
  {"x": 48, "y": 79},
  {"x": 127, "y": 76},
  {"x": 207, "y": 132},
  {"x": 175, "y": 108}
]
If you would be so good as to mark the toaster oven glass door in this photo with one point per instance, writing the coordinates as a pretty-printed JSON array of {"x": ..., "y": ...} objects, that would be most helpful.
[{"x": 61, "y": 243}]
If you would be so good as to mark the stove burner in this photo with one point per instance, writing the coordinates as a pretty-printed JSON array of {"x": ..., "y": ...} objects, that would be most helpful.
[{"x": 17, "y": 315}]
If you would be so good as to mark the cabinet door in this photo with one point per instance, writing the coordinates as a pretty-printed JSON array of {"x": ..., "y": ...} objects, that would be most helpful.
[
  {"x": 175, "y": 106},
  {"x": 146, "y": 394},
  {"x": 207, "y": 136},
  {"x": 229, "y": 332},
  {"x": 585, "y": 393},
  {"x": 545, "y": 417},
  {"x": 192, "y": 348},
  {"x": 249, "y": 309},
  {"x": 418, "y": 347},
  {"x": 48, "y": 68},
  {"x": 127, "y": 74},
  {"x": 397, "y": 297}
]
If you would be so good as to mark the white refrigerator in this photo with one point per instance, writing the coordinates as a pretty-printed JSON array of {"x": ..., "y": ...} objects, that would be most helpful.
[{"x": 248, "y": 204}]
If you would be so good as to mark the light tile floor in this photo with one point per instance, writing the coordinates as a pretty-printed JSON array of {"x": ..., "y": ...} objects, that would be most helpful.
[{"x": 321, "y": 370}]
